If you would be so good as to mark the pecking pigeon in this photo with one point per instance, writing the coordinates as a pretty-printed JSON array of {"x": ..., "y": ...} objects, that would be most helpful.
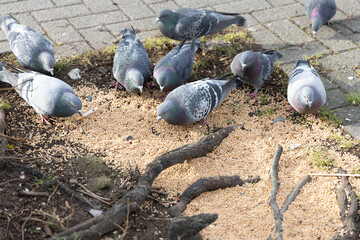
[
  {"x": 175, "y": 68},
  {"x": 254, "y": 68},
  {"x": 305, "y": 93},
  {"x": 132, "y": 66},
  {"x": 319, "y": 12},
  {"x": 194, "y": 101},
  {"x": 188, "y": 23},
  {"x": 30, "y": 48},
  {"x": 47, "y": 95}
]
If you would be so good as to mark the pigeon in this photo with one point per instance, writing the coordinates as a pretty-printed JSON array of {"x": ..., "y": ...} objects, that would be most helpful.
[
  {"x": 254, "y": 68},
  {"x": 175, "y": 68},
  {"x": 132, "y": 68},
  {"x": 305, "y": 93},
  {"x": 319, "y": 12},
  {"x": 47, "y": 95},
  {"x": 193, "y": 101},
  {"x": 32, "y": 50},
  {"x": 189, "y": 23}
]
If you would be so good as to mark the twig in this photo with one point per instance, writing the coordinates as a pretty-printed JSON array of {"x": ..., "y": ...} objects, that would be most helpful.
[
  {"x": 9, "y": 181},
  {"x": 93, "y": 194},
  {"x": 334, "y": 175},
  {"x": 206, "y": 184},
  {"x": 35, "y": 194},
  {"x": 14, "y": 138},
  {"x": 274, "y": 189},
  {"x": 56, "y": 188},
  {"x": 23, "y": 227}
]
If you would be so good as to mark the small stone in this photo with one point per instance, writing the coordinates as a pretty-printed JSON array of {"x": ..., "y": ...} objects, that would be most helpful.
[
  {"x": 74, "y": 74},
  {"x": 73, "y": 180},
  {"x": 81, "y": 130},
  {"x": 43, "y": 203},
  {"x": 294, "y": 146},
  {"x": 58, "y": 155},
  {"x": 1, "y": 189},
  {"x": 95, "y": 212},
  {"x": 22, "y": 176},
  {"x": 100, "y": 28},
  {"x": 350, "y": 78},
  {"x": 38, "y": 228},
  {"x": 293, "y": 128},
  {"x": 279, "y": 119},
  {"x": 103, "y": 70},
  {"x": 129, "y": 137}
]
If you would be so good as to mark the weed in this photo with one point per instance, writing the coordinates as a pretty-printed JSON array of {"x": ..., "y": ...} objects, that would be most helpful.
[
  {"x": 329, "y": 116},
  {"x": 313, "y": 59},
  {"x": 39, "y": 182},
  {"x": 321, "y": 159},
  {"x": 5, "y": 105},
  {"x": 230, "y": 121},
  {"x": 263, "y": 100},
  {"x": 268, "y": 111},
  {"x": 158, "y": 43},
  {"x": 353, "y": 98},
  {"x": 62, "y": 64},
  {"x": 344, "y": 142}
]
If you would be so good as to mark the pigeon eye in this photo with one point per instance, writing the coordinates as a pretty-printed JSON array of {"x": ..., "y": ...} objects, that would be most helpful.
[
  {"x": 163, "y": 112},
  {"x": 74, "y": 106}
]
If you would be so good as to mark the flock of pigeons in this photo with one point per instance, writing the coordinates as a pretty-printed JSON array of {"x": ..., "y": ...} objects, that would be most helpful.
[{"x": 185, "y": 102}]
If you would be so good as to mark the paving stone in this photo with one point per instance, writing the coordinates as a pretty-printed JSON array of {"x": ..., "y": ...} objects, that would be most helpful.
[
  {"x": 7, "y": 1},
  {"x": 142, "y": 25},
  {"x": 265, "y": 38},
  {"x": 277, "y": 13},
  {"x": 356, "y": 37},
  {"x": 245, "y": 6},
  {"x": 349, "y": 7},
  {"x": 293, "y": 53},
  {"x": 71, "y": 49},
  {"x": 156, "y": 7},
  {"x": 328, "y": 84},
  {"x": 278, "y": 3},
  {"x": 61, "y": 13},
  {"x": 289, "y": 32},
  {"x": 346, "y": 79},
  {"x": 134, "y": 9},
  {"x": 288, "y": 68},
  {"x": 342, "y": 28},
  {"x": 335, "y": 98},
  {"x": 349, "y": 115},
  {"x": 98, "y": 19},
  {"x": 153, "y": 1},
  {"x": 250, "y": 20},
  {"x": 148, "y": 34},
  {"x": 342, "y": 60},
  {"x": 63, "y": 3},
  {"x": 100, "y": 6},
  {"x": 200, "y": 3},
  {"x": 354, "y": 25},
  {"x": 25, "y": 6},
  {"x": 97, "y": 39},
  {"x": 334, "y": 40},
  {"x": 3, "y": 36},
  {"x": 61, "y": 31},
  {"x": 26, "y": 18},
  {"x": 353, "y": 130},
  {"x": 4, "y": 47}
]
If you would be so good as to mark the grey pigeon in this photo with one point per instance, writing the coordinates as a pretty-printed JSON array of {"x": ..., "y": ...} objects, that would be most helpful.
[
  {"x": 193, "y": 101},
  {"x": 305, "y": 93},
  {"x": 47, "y": 95},
  {"x": 319, "y": 12},
  {"x": 132, "y": 66},
  {"x": 30, "y": 48},
  {"x": 189, "y": 23},
  {"x": 254, "y": 68},
  {"x": 175, "y": 68}
]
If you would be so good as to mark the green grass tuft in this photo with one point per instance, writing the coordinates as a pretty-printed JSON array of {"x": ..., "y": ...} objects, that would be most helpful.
[
  {"x": 321, "y": 159},
  {"x": 329, "y": 116},
  {"x": 4, "y": 104},
  {"x": 268, "y": 111},
  {"x": 344, "y": 142},
  {"x": 353, "y": 98}
]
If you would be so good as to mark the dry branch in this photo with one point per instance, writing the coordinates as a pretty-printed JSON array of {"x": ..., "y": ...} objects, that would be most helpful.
[
  {"x": 205, "y": 185},
  {"x": 96, "y": 227},
  {"x": 349, "y": 206},
  {"x": 3, "y": 140}
]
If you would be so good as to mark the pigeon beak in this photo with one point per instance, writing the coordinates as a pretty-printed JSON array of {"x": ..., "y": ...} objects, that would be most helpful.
[
  {"x": 51, "y": 71},
  {"x": 243, "y": 65},
  {"x": 141, "y": 88},
  {"x": 161, "y": 88},
  {"x": 157, "y": 20},
  {"x": 80, "y": 113},
  {"x": 314, "y": 33},
  {"x": 159, "y": 118}
]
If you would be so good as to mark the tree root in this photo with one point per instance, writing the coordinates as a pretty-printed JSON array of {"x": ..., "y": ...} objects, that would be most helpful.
[
  {"x": 349, "y": 206},
  {"x": 96, "y": 227},
  {"x": 204, "y": 185},
  {"x": 279, "y": 213}
]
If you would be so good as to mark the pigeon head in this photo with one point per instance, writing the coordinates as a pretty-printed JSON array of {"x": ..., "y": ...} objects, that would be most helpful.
[
  {"x": 134, "y": 80},
  {"x": 166, "y": 77},
  {"x": 306, "y": 98},
  {"x": 169, "y": 111},
  {"x": 166, "y": 20},
  {"x": 128, "y": 33},
  {"x": 247, "y": 60},
  {"x": 316, "y": 20},
  {"x": 45, "y": 62},
  {"x": 67, "y": 105}
]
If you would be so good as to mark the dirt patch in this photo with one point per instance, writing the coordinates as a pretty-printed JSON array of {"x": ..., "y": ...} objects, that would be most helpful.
[{"x": 243, "y": 211}]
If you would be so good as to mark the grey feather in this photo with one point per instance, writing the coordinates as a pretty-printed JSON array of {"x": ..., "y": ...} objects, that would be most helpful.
[
  {"x": 132, "y": 68},
  {"x": 47, "y": 95},
  {"x": 30, "y": 48},
  {"x": 254, "y": 68},
  {"x": 319, "y": 12},
  {"x": 305, "y": 93},
  {"x": 174, "y": 69},
  {"x": 194, "y": 101},
  {"x": 189, "y": 23}
]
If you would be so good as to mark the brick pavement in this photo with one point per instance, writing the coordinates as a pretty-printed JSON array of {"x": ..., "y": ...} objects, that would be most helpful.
[{"x": 76, "y": 26}]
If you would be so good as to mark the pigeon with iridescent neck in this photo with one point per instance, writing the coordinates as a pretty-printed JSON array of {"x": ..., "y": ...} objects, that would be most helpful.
[
  {"x": 319, "y": 12},
  {"x": 306, "y": 92},
  {"x": 30, "y": 48},
  {"x": 194, "y": 101},
  {"x": 175, "y": 68},
  {"x": 47, "y": 95},
  {"x": 254, "y": 68},
  {"x": 132, "y": 68},
  {"x": 189, "y": 23}
]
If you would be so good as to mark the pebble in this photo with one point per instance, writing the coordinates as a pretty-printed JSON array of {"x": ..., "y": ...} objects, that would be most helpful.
[
  {"x": 129, "y": 137},
  {"x": 103, "y": 70},
  {"x": 95, "y": 212},
  {"x": 74, "y": 74},
  {"x": 22, "y": 176},
  {"x": 350, "y": 78},
  {"x": 294, "y": 146},
  {"x": 81, "y": 130},
  {"x": 279, "y": 119}
]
